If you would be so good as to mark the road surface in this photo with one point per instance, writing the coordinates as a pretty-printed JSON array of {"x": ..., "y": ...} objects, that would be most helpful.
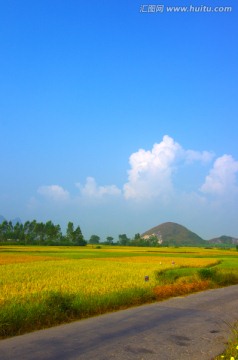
[{"x": 194, "y": 327}]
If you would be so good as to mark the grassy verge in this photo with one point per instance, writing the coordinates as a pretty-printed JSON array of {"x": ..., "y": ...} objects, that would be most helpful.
[
  {"x": 55, "y": 308},
  {"x": 231, "y": 352}
]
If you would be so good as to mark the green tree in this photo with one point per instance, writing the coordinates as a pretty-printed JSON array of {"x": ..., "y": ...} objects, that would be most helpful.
[
  {"x": 18, "y": 232},
  {"x": 110, "y": 240},
  {"x": 53, "y": 233},
  {"x": 123, "y": 240},
  {"x": 70, "y": 232},
  {"x": 78, "y": 237},
  {"x": 94, "y": 239},
  {"x": 137, "y": 236},
  {"x": 29, "y": 231},
  {"x": 40, "y": 232},
  {"x": 4, "y": 230},
  {"x": 153, "y": 240}
]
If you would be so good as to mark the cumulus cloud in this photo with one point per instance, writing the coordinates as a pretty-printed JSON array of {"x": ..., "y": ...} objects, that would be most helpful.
[
  {"x": 222, "y": 177},
  {"x": 151, "y": 171},
  {"x": 54, "y": 192},
  {"x": 203, "y": 157},
  {"x": 159, "y": 174},
  {"x": 91, "y": 189}
]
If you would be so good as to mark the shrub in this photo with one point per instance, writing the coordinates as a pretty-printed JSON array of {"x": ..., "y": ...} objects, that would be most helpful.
[
  {"x": 226, "y": 278},
  {"x": 219, "y": 277},
  {"x": 166, "y": 276},
  {"x": 59, "y": 303},
  {"x": 207, "y": 274}
]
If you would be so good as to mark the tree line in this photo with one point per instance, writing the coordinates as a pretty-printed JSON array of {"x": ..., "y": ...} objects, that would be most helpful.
[
  {"x": 39, "y": 233},
  {"x": 124, "y": 240},
  {"x": 33, "y": 232}
]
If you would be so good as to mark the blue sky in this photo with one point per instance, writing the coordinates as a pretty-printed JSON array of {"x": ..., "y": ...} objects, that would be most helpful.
[{"x": 119, "y": 120}]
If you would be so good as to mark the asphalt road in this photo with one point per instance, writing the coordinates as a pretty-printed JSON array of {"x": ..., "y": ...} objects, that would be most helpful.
[{"x": 195, "y": 327}]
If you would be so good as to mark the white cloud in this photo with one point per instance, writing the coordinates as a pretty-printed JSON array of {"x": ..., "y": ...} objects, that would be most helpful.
[
  {"x": 204, "y": 156},
  {"x": 151, "y": 171},
  {"x": 150, "y": 174},
  {"x": 54, "y": 192},
  {"x": 222, "y": 177},
  {"x": 91, "y": 189}
]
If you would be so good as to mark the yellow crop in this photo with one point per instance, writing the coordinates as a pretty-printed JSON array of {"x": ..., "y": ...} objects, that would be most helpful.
[
  {"x": 45, "y": 286},
  {"x": 88, "y": 277}
]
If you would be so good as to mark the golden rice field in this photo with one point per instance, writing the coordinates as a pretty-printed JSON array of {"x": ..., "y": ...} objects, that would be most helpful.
[
  {"x": 85, "y": 276},
  {"x": 43, "y": 286}
]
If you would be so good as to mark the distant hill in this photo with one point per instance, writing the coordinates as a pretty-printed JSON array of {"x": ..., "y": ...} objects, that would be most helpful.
[
  {"x": 2, "y": 218},
  {"x": 170, "y": 233},
  {"x": 228, "y": 240},
  {"x": 14, "y": 221}
]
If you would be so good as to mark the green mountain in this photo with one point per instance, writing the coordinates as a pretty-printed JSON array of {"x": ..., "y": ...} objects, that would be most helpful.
[
  {"x": 227, "y": 240},
  {"x": 170, "y": 233}
]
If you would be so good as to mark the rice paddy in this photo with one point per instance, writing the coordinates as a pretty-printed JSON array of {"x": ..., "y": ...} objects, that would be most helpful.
[{"x": 44, "y": 286}]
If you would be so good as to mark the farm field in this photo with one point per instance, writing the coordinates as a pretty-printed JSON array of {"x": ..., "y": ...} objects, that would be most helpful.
[{"x": 44, "y": 286}]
